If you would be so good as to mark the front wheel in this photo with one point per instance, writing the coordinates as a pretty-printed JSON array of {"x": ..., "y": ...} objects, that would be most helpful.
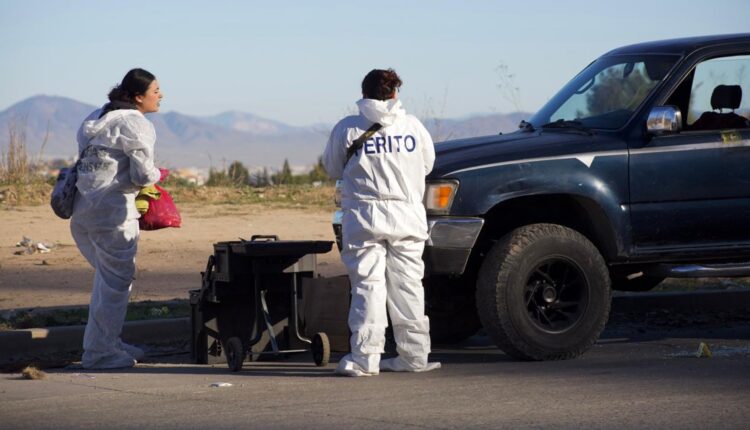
[
  {"x": 543, "y": 293},
  {"x": 235, "y": 353}
]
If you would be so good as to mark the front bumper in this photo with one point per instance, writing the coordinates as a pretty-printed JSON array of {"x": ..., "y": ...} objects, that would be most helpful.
[{"x": 448, "y": 246}]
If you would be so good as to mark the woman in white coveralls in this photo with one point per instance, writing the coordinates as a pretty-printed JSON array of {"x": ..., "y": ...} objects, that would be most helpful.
[
  {"x": 384, "y": 227},
  {"x": 117, "y": 147}
]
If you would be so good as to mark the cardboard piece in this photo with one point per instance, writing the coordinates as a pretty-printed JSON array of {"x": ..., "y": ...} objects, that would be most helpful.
[{"x": 324, "y": 308}]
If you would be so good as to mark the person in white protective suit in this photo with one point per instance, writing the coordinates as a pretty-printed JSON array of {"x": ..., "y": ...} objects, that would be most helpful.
[
  {"x": 384, "y": 227},
  {"x": 116, "y": 144}
]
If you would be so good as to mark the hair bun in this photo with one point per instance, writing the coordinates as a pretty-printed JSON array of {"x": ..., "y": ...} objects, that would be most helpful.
[{"x": 117, "y": 94}]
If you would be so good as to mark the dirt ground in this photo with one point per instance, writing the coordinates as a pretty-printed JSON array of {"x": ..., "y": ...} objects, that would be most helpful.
[{"x": 169, "y": 261}]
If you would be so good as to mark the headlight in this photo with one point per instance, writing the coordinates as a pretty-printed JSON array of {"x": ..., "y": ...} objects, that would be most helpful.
[{"x": 438, "y": 196}]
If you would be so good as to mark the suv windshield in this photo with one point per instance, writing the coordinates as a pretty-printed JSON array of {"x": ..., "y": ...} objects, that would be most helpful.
[{"x": 606, "y": 93}]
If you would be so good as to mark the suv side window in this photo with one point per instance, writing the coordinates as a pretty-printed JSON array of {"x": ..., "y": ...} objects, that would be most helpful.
[{"x": 720, "y": 94}]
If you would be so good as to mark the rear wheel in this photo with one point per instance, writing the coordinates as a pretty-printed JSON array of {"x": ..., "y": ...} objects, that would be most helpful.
[
  {"x": 543, "y": 293},
  {"x": 321, "y": 349}
]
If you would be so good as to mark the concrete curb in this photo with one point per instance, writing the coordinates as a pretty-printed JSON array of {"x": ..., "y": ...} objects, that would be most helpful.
[
  {"x": 36, "y": 343},
  {"x": 18, "y": 345}
]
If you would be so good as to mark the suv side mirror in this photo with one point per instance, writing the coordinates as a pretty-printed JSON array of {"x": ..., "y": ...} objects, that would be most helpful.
[{"x": 664, "y": 120}]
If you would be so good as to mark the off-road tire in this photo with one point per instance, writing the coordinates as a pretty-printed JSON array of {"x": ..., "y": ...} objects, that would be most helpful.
[{"x": 504, "y": 280}]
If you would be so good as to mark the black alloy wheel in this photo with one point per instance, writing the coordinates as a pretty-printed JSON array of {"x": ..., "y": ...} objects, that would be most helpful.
[{"x": 556, "y": 295}]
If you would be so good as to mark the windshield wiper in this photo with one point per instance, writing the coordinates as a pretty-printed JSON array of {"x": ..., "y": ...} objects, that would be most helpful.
[
  {"x": 568, "y": 124},
  {"x": 525, "y": 125}
]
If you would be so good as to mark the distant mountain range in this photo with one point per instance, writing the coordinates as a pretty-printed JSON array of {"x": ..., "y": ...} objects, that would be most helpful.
[{"x": 192, "y": 141}]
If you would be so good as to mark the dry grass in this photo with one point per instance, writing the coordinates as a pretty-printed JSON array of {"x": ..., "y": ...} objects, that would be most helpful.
[
  {"x": 19, "y": 183},
  {"x": 16, "y": 167},
  {"x": 279, "y": 196},
  {"x": 34, "y": 193},
  {"x": 14, "y": 162},
  {"x": 30, "y": 193},
  {"x": 31, "y": 372},
  {"x": 78, "y": 315}
]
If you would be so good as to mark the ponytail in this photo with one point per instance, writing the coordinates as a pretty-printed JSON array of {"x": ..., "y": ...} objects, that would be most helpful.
[{"x": 122, "y": 96}]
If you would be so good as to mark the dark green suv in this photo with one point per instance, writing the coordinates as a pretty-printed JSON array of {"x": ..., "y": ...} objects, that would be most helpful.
[{"x": 636, "y": 170}]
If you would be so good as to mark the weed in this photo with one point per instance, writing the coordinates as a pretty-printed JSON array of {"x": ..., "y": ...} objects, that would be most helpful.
[
  {"x": 36, "y": 318},
  {"x": 16, "y": 167},
  {"x": 31, "y": 372}
]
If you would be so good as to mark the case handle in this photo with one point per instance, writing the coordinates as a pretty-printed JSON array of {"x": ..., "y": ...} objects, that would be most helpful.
[{"x": 266, "y": 237}]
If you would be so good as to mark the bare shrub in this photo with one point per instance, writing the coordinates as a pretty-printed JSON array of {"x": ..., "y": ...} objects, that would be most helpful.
[
  {"x": 14, "y": 161},
  {"x": 16, "y": 167},
  {"x": 433, "y": 114},
  {"x": 507, "y": 86}
]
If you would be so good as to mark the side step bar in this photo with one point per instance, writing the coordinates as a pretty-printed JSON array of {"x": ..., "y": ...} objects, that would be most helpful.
[{"x": 727, "y": 270}]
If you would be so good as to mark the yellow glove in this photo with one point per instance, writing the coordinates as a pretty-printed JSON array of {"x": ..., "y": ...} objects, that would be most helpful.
[{"x": 146, "y": 194}]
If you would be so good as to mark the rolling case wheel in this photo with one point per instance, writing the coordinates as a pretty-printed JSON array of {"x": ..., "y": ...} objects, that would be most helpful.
[
  {"x": 321, "y": 349},
  {"x": 235, "y": 353},
  {"x": 200, "y": 348}
]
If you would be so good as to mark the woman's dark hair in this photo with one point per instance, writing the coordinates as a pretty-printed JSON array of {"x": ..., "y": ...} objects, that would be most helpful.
[
  {"x": 380, "y": 84},
  {"x": 135, "y": 83}
]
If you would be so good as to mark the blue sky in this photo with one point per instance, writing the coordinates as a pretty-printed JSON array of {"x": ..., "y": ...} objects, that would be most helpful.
[{"x": 301, "y": 62}]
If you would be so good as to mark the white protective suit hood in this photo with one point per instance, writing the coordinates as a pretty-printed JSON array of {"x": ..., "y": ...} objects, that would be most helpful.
[
  {"x": 117, "y": 159},
  {"x": 384, "y": 113},
  {"x": 391, "y": 165}
]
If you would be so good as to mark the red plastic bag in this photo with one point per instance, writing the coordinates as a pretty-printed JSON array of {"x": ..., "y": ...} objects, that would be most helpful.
[
  {"x": 163, "y": 173},
  {"x": 161, "y": 213}
]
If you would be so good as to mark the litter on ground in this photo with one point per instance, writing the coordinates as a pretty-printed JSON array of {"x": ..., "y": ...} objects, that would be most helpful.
[
  {"x": 31, "y": 247},
  {"x": 703, "y": 351}
]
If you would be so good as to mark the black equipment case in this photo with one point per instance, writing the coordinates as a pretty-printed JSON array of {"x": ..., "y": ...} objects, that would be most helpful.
[{"x": 248, "y": 301}]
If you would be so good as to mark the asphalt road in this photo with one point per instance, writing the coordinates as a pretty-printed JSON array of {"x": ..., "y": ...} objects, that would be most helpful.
[{"x": 642, "y": 374}]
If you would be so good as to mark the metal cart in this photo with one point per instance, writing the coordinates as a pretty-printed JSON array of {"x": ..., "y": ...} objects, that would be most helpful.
[{"x": 239, "y": 277}]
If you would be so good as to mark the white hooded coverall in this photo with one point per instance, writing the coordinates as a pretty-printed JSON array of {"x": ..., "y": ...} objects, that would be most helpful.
[
  {"x": 384, "y": 228},
  {"x": 117, "y": 161}
]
